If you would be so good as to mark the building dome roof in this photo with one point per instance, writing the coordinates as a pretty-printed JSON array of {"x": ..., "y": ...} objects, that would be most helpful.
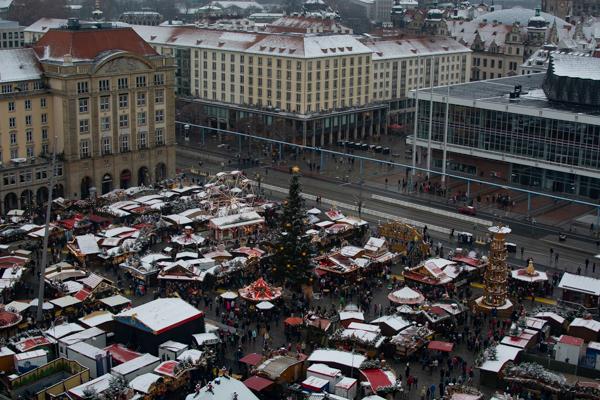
[{"x": 519, "y": 14}]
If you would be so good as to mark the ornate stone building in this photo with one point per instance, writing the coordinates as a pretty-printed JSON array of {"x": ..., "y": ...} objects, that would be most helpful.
[{"x": 99, "y": 96}]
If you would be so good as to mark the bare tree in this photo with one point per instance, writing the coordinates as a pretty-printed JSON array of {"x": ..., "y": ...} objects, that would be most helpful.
[{"x": 29, "y": 11}]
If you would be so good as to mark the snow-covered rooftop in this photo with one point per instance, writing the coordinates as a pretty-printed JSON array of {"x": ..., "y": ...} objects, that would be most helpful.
[
  {"x": 570, "y": 66},
  {"x": 160, "y": 314},
  {"x": 579, "y": 283},
  {"x": 223, "y": 388},
  {"x": 339, "y": 357},
  {"x": 18, "y": 65},
  {"x": 590, "y": 324},
  {"x": 135, "y": 364}
]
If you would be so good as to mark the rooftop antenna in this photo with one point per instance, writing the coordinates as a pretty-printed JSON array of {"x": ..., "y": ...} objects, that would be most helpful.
[{"x": 44, "y": 263}]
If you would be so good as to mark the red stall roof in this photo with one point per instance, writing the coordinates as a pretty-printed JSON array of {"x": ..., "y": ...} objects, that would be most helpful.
[
  {"x": 121, "y": 353},
  {"x": 440, "y": 346},
  {"x": 257, "y": 383},
  {"x": 377, "y": 378},
  {"x": 293, "y": 321},
  {"x": 251, "y": 359}
]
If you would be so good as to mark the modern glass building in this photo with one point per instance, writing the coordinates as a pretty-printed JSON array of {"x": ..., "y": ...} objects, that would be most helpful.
[{"x": 519, "y": 138}]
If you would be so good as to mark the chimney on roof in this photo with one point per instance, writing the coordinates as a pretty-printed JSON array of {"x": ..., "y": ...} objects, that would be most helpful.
[{"x": 73, "y": 24}]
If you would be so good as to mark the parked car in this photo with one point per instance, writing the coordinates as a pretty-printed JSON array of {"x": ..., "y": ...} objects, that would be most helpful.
[
  {"x": 467, "y": 210},
  {"x": 386, "y": 150}
]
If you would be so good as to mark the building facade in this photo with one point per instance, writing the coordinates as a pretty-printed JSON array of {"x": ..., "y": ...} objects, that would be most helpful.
[
  {"x": 523, "y": 139},
  {"x": 12, "y": 35},
  {"x": 314, "y": 89},
  {"x": 503, "y": 40},
  {"x": 572, "y": 8},
  {"x": 114, "y": 104},
  {"x": 101, "y": 98},
  {"x": 26, "y": 132}
]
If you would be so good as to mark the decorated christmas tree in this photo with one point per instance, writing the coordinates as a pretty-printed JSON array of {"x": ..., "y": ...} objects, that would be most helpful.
[{"x": 292, "y": 256}]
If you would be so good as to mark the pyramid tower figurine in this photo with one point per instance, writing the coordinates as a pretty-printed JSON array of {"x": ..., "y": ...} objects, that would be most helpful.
[{"x": 495, "y": 298}]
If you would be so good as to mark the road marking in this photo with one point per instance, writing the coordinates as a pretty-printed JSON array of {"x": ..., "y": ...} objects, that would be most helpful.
[
  {"x": 432, "y": 210},
  {"x": 381, "y": 215}
]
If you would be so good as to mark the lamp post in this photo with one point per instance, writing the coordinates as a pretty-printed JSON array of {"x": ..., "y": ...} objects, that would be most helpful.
[{"x": 186, "y": 132}]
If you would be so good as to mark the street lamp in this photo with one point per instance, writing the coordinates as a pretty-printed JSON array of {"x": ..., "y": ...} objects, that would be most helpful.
[{"x": 186, "y": 129}]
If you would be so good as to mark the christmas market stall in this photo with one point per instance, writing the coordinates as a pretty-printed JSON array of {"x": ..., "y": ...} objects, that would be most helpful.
[
  {"x": 365, "y": 338},
  {"x": 429, "y": 273},
  {"x": 462, "y": 392},
  {"x": 390, "y": 325},
  {"x": 491, "y": 362},
  {"x": 282, "y": 369},
  {"x": 9, "y": 321},
  {"x": 259, "y": 291},
  {"x": 406, "y": 295},
  {"x": 236, "y": 226},
  {"x": 534, "y": 381},
  {"x": 346, "y": 361},
  {"x": 580, "y": 290},
  {"x": 95, "y": 287},
  {"x": 530, "y": 280},
  {"x": 378, "y": 380},
  {"x": 61, "y": 279},
  {"x": 188, "y": 238},
  {"x": 411, "y": 339}
]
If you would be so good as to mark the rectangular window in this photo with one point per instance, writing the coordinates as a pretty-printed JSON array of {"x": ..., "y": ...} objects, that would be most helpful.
[
  {"x": 44, "y": 133},
  {"x": 159, "y": 116},
  {"x": 104, "y": 103},
  {"x": 143, "y": 140},
  {"x": 105, "y": 123},
  {"x": 160, "y": 136},
  {"x": 159, "y": 79},
  {"x": 14, "y": 153},
  {"x": 43, "y": 102},
  {"x": 141, "y": 99},
  {"x": 84, "y": 126},
  {"x": 140, "y": 81},
  {"x": 159, "y": 96},
  {"x": 104, "y": 85},
  {"x": 123, "y": 121},
  {"x": 28, "y": 120},
  {"x": 83, "y": 105},
  {"x": 82, "y": 87},
  {"x": 122, "y": 83},
  {"x": 10, "y": 179},
  {"x": 84, "y": 149},
  {"x": 141, "y": 118},
  {"x": 106, "y": 146},
  {"x": 124, "y": 143},
  {"x": 27, "y": 105},
  {"x": 29, "y": 136},
  {"x": 44, "y": 118},
  {"x": 11, "y": 106},
  {"x": 123, "y": 100}
]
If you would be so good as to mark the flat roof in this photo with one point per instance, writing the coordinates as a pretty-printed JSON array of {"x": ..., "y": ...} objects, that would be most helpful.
[
  {"x": 494, "y": 94},
  {"x": 160, "y": 315}
]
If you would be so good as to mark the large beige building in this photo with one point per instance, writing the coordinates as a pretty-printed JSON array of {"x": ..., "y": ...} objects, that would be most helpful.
[
  {"x": 314, "y": 88},
  {"x": 26, "y": 131},
  {"x": 100, "y": 97}
]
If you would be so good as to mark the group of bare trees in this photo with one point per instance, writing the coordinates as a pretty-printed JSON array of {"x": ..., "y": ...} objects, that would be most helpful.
[{"x": 29, "y": 11}]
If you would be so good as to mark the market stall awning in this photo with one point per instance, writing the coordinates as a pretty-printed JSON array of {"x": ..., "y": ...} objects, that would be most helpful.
[
  {"x": 257, "y": 383},
  {"x": 293, "y": 321},
  {"x": 440, "y": 346},
  {"x": 377, "y": 378},
  {"x": 251, "y": 359}
]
